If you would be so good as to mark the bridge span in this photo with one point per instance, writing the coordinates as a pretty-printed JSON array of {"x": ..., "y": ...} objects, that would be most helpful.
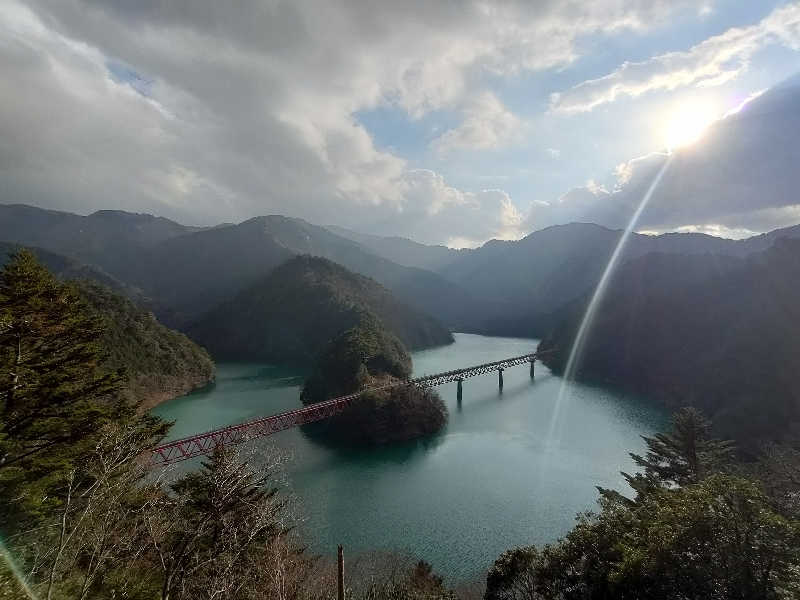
[{"x": 205, "y": 443}]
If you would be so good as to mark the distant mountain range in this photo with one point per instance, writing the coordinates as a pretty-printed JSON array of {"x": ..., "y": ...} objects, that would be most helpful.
[
  {"x": 291, "y": 313},
  {"x": 186, "y": 272},
  {"x": 529, "y": 279},
  {"x": 504, "y": 287}
]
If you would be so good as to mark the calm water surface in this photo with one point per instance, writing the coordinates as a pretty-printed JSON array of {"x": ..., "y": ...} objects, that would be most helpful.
[{"x": 503, "y": 473}]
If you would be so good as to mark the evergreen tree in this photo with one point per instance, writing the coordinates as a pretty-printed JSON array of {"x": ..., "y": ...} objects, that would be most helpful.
[
  {"x": 216, "y": 527},
  {"x": 54, "y": 395},
  {"x": 684, "y": 456}
]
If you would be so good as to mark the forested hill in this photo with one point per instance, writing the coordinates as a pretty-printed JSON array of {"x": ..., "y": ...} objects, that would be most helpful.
[
  {"x": 159, "y": 363},
  {"x": 291, "y": 314},
  {"x": 363, "y": 356},
  {"x": 720, "y": 333}
]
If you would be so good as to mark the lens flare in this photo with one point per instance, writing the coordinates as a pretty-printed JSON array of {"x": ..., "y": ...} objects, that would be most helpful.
[
  {"x": 591, "y": 309},
  {"x": 5, "y": 557}
]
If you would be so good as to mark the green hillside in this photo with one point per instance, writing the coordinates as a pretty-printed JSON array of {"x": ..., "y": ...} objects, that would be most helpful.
[
  {"x": 159, "y": 363},
  {"x": 294, "y": 311},
  {"x": 365, "y": 356}
]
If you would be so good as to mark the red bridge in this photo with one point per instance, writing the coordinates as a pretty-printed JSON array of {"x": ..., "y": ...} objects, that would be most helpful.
[{"x": 205, "y": 443}]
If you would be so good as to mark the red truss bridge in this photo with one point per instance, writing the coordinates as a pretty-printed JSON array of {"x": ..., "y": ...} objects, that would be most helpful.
[{"x": 205, "y": 443}]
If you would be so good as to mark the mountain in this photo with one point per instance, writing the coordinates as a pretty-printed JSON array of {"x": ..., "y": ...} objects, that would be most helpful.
[
  {"x": 529, "y": 279},
  {"x": 187, "y": 271},
  {"x": 111, "y": 239},
  {"x": 289, "y": 315},
  {"x": 195, "y": 272},
  {"x": 720, "y": 333},
  {"x": 69, "y": 268},
  {"x": 159, "y": 363},
  {"x": 402, "y": 250}
]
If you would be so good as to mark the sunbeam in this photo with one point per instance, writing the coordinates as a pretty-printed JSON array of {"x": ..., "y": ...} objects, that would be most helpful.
[{"x": 588, "y": 317}]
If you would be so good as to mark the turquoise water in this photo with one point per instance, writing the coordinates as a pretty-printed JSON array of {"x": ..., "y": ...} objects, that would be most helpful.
[{"x": 503, "y": 473}]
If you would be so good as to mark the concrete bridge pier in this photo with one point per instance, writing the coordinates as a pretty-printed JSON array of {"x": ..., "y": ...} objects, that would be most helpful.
[
  {"x": 500, "y": 379},
  {"x": 533, "y": 360},
  {"x": 460, "y": 391}
]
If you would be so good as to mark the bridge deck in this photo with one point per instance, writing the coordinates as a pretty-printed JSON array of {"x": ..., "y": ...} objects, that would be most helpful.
[{"x": 205, "y": 443}]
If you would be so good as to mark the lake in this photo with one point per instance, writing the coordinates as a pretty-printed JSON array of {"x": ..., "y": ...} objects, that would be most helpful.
[{"x": 510, "y": 468}]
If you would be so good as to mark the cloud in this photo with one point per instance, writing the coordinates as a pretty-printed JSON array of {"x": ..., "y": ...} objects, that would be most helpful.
[
  {"x": 487, "y": 125},
  {"x": 712, "y": 62},
  {"x": 740, "y": 178},
  {"x": 197, "y": 112},
  {"x": 433, "y": 208}
]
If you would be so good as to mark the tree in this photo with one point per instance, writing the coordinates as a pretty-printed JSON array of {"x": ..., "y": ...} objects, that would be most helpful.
[
  {"x": 211, "y": 534},
  {"x": 692, "y": 532},
  {"x": 354, "y": 358},
  {"x": 718, "y": 539},
  {"x": 778, "y": 470},
  {"x": 683, "y": 456},
  {"x": 95, "y": 540},
  {"x": 513, "y": 576},
  {"x": 54, "y": 395}
]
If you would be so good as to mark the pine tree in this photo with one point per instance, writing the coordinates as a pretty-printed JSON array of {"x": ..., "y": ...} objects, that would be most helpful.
[
  {"x": 217, "y": 526},
  {"x": 54, "y": 395},
  {"x": 684, "y": 456}
]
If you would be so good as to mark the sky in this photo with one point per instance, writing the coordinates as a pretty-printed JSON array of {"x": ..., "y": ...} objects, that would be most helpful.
[{"x": 448, "y": 121}]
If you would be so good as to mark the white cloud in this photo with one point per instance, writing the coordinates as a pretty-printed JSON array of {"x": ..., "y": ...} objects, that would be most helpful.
[
  {"x": 739, "y": 179},
  {"x": 553, "y": 152},
  {"x": 711, "y": 62},
  {"x": 433, "y": 208},
  {"x": 487, "y": 125},
  {"x": 226, "y": 114}
]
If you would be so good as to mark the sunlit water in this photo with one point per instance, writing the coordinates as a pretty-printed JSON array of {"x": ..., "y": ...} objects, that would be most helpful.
[{"x": 490, "y": 481}]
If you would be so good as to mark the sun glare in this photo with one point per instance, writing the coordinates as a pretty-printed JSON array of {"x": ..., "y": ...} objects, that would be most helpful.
[{"x": 687, "y": 124}]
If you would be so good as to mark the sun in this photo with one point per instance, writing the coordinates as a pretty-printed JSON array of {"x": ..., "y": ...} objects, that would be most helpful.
[{"x": 687, "y": 123}]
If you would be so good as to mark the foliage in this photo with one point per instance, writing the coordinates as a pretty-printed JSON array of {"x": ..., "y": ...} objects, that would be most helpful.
[
  {"x": 690, "y": 532},
  {"x": 353, "y": 358},
  {"x": 93, "y": 540},
  {"x": 54, "y": 394},
  {"x": 683, "y": 456},
  {"x": 159, "y": 363},
  {"x": 215, "y": 527},
  {"x": 369, "y": 356}
]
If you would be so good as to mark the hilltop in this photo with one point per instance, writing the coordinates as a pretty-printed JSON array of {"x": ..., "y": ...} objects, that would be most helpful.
[
  {"x": 364, "y": 356},
  {"x": 289, "y": 315}
]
